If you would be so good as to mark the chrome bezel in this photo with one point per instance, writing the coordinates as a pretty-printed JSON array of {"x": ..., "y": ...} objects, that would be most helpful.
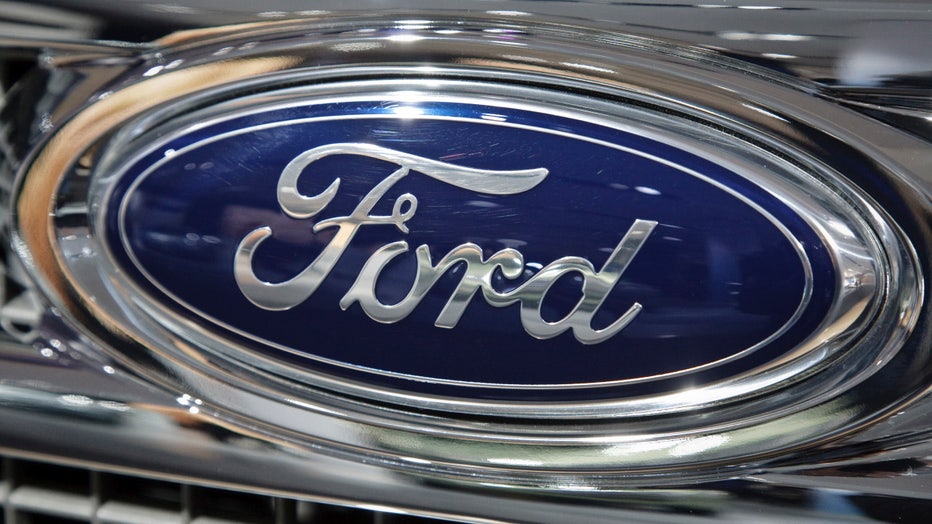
[
  {"x": 607, "y": 437},
  {"x": 852, "y": 307}
]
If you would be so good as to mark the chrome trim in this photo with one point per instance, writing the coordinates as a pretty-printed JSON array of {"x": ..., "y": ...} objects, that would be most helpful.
[
  {"x": 406, "y": 91},
  {"x": 670, "y": 131}
]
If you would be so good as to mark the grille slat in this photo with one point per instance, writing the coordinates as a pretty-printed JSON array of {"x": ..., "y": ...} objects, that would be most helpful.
[
  {"x": 51, "y": 502},
  {"x": 39, "y": 493},
  {"x": 127, "y": 513}
]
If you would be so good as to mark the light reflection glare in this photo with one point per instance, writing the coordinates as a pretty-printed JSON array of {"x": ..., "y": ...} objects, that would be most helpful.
[
  {"x": 647, "y": 190},
  {"x": 588, "y": 67},
  {"x": 168, "y": 8},
  {"x": 154, "y": 71},
  {"x": 75, "y": 400},
  {"x": 639, "y": 447},
  {"x": 767, "y": 37},
  {"x": 411, "y": 97},
  {"x": 113, "y": 405},
  {"x": 391, "y": 510},
  {"x": 508, "y": 13},
  {"x": 841, "y": 228},
  {"x": 573, "y": 486},
  {"x": 765, "y": 112},
  {"x": 522, "y": 58},
  {"x": 405, "y": 38},
  {"x": 407, "y": 111},
  {"x": 699, "y": 445},
  {"x": 427, "y": 69},
  {"x": 496, "y": 485},
  {"x": 416, "y": 460},
  {"x": 510, "y": 461},
  {"x": 483, "y": 204},
  {"x": 188, "y": 400},
  {"x": 350, "y": 47},
  {"x": 778, "y": 56}
]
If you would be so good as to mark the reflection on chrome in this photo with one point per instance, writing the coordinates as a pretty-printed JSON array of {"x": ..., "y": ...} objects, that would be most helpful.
[{"x": 824, "y": 105}]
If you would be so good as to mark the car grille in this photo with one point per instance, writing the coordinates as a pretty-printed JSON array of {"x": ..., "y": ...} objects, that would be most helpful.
[
  {"x": 124, "y": 399},
  {"x": 42, "y": 493}
]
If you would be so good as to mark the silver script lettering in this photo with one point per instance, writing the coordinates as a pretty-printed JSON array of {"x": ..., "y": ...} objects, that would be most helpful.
[{"x": 479, "y": 271}]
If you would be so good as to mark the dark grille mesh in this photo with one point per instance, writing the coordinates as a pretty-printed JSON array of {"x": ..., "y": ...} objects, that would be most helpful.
[{"x": 40, "y": 493}]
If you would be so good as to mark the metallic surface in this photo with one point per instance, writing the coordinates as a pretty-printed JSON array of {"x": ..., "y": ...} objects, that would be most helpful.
[
  {"x": 848, "y": 261},
  {"x": 63, "y": 384}
]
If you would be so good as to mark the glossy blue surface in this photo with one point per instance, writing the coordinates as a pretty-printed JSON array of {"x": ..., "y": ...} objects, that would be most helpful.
[{"x": 715, "y": 277}]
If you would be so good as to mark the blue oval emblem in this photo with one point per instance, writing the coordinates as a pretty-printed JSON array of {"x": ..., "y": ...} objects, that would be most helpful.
[{"x": 487, "y": 250}]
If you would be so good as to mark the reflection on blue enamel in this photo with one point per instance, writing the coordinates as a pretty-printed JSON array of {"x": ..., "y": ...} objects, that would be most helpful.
[{"x": 715, "y": 277}]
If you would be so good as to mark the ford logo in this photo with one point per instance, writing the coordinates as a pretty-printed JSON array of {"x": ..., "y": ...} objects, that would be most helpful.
[{"x": 446, "y": 246}]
